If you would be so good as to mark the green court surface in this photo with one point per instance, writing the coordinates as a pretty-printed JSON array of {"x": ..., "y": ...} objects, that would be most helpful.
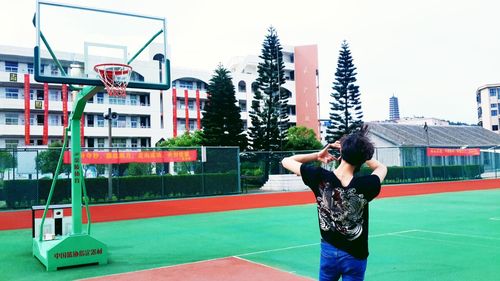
[{"x": 448, "y": 236}]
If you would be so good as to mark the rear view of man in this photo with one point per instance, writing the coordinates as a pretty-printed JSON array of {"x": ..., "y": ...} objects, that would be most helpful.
[{"x": 342, "y": 202}]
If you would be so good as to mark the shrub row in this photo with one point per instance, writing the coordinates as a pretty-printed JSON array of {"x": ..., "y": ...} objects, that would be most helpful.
[
  {"x": 25, "y": 193},
  {"x": 423, "y": 173}
]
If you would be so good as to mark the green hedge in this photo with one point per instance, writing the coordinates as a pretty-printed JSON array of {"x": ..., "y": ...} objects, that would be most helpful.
[
  {"x": 399, "y": 174},
  {"x": 25, "y": 193}
]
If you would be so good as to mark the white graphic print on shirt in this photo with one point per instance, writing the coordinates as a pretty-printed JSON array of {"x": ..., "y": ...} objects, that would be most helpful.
[{"x": 341, "y": 209}]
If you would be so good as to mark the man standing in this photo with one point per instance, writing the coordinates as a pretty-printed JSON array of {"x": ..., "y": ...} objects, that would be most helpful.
[{"x": 342, "y": 202}]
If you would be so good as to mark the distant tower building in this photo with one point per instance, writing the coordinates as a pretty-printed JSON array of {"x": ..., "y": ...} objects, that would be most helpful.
[{"x": 393, "y": 108}]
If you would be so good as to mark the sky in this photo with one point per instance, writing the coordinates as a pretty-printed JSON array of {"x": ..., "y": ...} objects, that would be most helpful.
[{"x": 431, "y": 54}]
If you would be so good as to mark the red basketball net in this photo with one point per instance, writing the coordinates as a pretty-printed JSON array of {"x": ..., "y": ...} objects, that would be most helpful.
[{"x": 115, "y": 77}]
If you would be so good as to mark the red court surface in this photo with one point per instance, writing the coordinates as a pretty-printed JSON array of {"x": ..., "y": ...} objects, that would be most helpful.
[
  {"x": 140, "y": 210},
  {"x": 225, "y": 269}
]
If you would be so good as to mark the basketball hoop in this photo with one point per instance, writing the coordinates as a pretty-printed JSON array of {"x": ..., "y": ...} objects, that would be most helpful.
[{"x": 115, "y": 77}]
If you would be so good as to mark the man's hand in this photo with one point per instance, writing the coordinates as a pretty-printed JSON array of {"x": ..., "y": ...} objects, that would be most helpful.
[{"x": 324, "y": 156}]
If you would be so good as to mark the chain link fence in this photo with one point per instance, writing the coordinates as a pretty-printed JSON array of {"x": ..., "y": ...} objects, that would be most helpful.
[{"x": 26, "y": 174}]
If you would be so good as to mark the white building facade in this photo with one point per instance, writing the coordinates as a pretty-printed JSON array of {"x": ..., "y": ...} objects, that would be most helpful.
[
  {"x": 488, "y": 106},
  {"x": 145, "y": 117}
]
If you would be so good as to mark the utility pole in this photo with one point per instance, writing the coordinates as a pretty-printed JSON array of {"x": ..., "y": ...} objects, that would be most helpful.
[
  {"x": 426, "y": 129},
  {"x": 110, "y": 116}
]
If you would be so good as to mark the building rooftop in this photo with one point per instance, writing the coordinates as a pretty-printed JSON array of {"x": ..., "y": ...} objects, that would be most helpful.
[{"x": 439, "y": 136}]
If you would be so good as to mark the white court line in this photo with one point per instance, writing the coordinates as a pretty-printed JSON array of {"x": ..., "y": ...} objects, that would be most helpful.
[
  {"x": 314, "y": 244},
  {"x": 277, "y": 249},
  {"x": 393, "y": 233},
  {"x": 468, "y": 244},
  {"x": 264, "y": 265},
  {"x": 458, "y": 234},
  {"x": 495, "y": 219}
]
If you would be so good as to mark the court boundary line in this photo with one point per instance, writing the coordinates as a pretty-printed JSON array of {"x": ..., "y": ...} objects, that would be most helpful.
[
  {"x": 495, "y": 218},
  {"x": 448, "y": 242},
  {"x": 458, "y": 234},
  {"x": 317, "y": 243},
  {"x": 268, "y": 266}
]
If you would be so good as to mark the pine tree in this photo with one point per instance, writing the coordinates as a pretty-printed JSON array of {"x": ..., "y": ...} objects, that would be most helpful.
[
  {"x": 222, "y": 124},
  {"x": 345, "y": 111},
  {"x": 269, "y": 110}
]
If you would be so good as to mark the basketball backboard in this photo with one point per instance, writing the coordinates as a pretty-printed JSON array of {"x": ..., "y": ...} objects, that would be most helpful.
[{"x": 71, "y": 40}]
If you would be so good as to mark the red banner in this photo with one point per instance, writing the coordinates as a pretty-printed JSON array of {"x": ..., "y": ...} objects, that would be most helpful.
[
  {"x": 453, "y": 151},
  {"x": 101, "y": 157},
  {"x": 27, "y": 100},
  {"x": 198, "y": 109},
  {"x": 174, "y": 111},
  {"x": 82, "y": 130},
  {"x": 65, "y": 104},
  {"x": 186, "y": 108},
  {"x": 45, "y": 137}
]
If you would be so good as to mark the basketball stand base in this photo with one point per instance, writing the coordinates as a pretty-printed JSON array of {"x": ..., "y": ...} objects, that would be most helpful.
[{"x": 72, "y": 250}]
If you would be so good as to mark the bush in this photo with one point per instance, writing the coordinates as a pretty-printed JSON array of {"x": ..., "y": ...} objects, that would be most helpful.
[
  {"x": 410, "y": 174},
  {"x": 25, "y": 193}
]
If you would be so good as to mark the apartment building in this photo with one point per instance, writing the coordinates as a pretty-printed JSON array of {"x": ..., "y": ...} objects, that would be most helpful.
[{"x": 145, "y": 117}]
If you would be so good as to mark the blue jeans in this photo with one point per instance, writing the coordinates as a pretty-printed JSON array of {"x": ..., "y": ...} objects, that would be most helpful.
[{"x": 335, "y": 263}]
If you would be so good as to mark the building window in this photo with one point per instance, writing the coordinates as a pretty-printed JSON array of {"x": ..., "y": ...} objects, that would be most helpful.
[
  {"x": 55, "y": 120},
  {"x": 180, "y": 104},
  {"x": 90, "y": 120},
  {"x": 133, "y": 121},
  {"x": 191, "y": 104},
  {"x": 292, "y": 58},
  {"x": 30, "y": 68},
  {"x": 198, "y": 85},
  {"x": 255, "y": 87},
  {"x": 11, "y": 93},
  {"x": 181, "y": 126},
  {"x": 291, "y": 109},
  {"x": 243, "y": 105},
  {"x": 242, "y": 86},
  {"x": 493, "y": 105},
  {"x": 134, "y": 100},
  {"x": 11, "y": 119},
  {"x": 40, "y": 120},
  {"x": 133, "y": 142},
  {"x": 493, "y": 92},
  {"x": 119, "y": 142},
  {"x": 11, "y": 66},
  {"x": 494, "y": 127},
  {"x": 116, "y": 100},
  {"x": 55, "y": 95},
  {"x": 100, "y": 98},
  {"x": 12, "y": 144},
  {"x": 192, "y": 125},
  {"x": 494, "y": 113},
  {"x": 120, "y": 122},
  {"x": 100, "y": 121},
  {"x": 186, "y": 84},
  {"x": 100, "y": 143},
  {"x": 54, "y": 70}
]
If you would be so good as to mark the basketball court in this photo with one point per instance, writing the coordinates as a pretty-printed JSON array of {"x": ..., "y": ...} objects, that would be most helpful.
[{"x": 445, "y": 236}]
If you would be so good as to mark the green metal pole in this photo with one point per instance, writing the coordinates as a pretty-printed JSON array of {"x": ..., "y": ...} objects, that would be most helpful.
[
  {"x": 145, "y": 46},
  {"x": 76, "y": 161},
  {"x": 76, "y": 179}
]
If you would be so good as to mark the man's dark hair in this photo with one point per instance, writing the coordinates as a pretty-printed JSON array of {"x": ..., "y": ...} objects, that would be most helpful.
[{"x": 357, "y": 147}]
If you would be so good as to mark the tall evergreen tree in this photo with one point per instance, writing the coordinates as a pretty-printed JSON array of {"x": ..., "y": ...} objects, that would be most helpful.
[
  {"x": 345, "y": 111},
  {"x": 222, "y": 124},
  {"x": 269, "y": 109}
]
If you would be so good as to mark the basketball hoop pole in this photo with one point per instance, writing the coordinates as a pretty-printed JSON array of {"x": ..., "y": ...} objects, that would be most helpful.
[{"x": 77, "y": 248}]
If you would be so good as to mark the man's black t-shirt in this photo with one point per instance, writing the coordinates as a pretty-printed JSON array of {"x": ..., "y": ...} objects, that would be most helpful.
[{"x": 342, "y": 211}]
